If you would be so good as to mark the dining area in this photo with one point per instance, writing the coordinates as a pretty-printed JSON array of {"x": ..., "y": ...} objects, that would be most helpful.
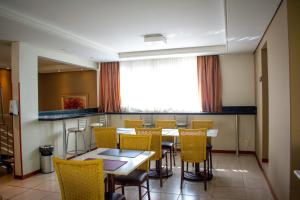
[{"x": 132, "y": 155}]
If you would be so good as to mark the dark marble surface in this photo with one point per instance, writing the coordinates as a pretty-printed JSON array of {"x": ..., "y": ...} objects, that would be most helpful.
[
  {"x": 67, "y": 114},
  {"x": 70, "y": 114}
]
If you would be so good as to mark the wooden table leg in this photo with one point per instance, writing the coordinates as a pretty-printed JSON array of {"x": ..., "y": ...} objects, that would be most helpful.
[
  {"x": 110, "y": 183},
  {"x": 197, "y": 168}
]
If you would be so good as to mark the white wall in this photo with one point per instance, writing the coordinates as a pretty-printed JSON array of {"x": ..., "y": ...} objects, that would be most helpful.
[
  {"x": 237, "y": 74},
  {"x": 25, "y": 73}
]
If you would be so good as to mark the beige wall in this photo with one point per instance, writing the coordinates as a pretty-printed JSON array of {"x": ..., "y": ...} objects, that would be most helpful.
[
  {"x": 52, "y": 86},
  {"x": 226, "y": 139},
  {"x": 278, "y": 167},
  {"x": 237, "y": 73},
  {"x": 294, "y": 46}
]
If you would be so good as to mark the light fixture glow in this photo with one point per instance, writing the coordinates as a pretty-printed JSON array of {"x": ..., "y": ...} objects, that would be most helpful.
[{"x": 155, "y": 39}]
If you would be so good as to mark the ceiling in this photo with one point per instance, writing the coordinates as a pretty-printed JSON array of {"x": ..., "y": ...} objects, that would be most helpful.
[{"x": 100, "y": 30}]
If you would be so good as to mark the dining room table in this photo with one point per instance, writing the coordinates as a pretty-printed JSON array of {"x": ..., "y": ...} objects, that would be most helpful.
[
  {"x": 117, "y": 162},
  {"x": 193, "y": 176}
]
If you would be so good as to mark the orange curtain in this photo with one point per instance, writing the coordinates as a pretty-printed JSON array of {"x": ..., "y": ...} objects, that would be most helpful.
[
  {"x": 209, "y": 82},
  {"x": 110, "y": 99}
]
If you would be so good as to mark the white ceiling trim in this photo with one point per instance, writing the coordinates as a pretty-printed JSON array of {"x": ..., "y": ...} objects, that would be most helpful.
[
  {"x": 40, "y": 25},
  {"x": 192, "y": 51}
]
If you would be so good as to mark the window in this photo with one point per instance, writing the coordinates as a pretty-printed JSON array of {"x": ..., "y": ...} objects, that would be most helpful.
[{"x": 160, "y": 85}]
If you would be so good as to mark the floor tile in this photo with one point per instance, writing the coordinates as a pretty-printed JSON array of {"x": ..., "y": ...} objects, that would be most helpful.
[
  {"x": 31, "y": 195},
  {"x": 235, "y": 178},
  {"x": 162, "y": 196},
  {"x": 9, "y": 192},
  {"x": 193, "y": 197},
  {"x": 49, "y": 186},
  {"x": 232, "y": 193},
  {"x": 258, "y": 194},
  {"x": 255, "y": 183},
  {"x": 52, "y": 196}
]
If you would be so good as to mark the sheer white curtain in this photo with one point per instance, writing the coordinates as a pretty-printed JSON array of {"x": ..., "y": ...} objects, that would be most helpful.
[{"x": 160, "y": 85}]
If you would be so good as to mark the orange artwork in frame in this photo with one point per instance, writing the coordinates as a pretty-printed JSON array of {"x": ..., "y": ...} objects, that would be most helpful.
[{"x": 69, "y": 102}]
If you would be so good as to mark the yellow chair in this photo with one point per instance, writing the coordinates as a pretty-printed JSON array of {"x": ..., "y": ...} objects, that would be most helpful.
[
  {"x": 156, "y": 141},
  {"x": 202, "y": 124},
  {"x": 193, "y": 149},
  {"x": 140, "y": 175},
  {"x": 168, "y": 142},
  {"x": 106, "y": 137},
  {"x": 128, "y": 123},
  {"x": 207, "y": 124},
  {"x": 82, "y": 180}
]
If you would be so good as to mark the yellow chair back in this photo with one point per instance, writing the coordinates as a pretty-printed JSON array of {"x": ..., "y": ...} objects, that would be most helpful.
[
  {"x": 196, "y": 124},
  {"x": 82, "y": 180},
  {"x": 156, "y": 140},
  {"x": 128, "y": 123},
  {"x": 106, "y": 137},
  {"x": 199, "y": 124},
  {"x": 193, "y": 145},
  {"x": 166, "y": 124},
  {"x": 136, "y": 142}
]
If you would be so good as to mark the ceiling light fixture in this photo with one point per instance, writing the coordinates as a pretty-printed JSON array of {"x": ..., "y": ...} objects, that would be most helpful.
[{"x": 155, "y": 39}]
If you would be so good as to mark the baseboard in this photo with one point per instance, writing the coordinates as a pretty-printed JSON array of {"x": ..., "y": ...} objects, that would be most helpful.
[
  {"x": 27, "y": 175},
  {"x": 232, "y": 151},
  {"x": 228, "y": 151},
  {"x": 266, "y": 178}
]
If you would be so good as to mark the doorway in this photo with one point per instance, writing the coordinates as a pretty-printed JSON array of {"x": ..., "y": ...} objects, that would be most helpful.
[{"x": 265, "y": 104}]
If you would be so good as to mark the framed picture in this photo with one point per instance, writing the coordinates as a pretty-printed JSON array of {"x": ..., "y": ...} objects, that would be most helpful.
[{"x": 73, "y": 102}]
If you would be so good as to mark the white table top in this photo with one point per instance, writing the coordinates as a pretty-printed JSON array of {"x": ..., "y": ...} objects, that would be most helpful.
[
  {"x": 131, "y": 165},
  {"x": 166, "y": 132},
  {"x": 297, "y": 173}
]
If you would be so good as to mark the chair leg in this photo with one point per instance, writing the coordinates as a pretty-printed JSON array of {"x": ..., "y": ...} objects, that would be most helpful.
[
  {"x": 157, "y": 166},
  {"x": 91, "y": 138},
  {"x": 174, "y": 155},
  {"x": 182, "y": 173},
  {"x": 205, "y": 176},
  {"x": 148, "y": 189},
  {"x": 67, "y": 141},
  {"x": 105, "y": 185},
  {"x": 210, "y": 160},
  {"x": 207, "y": 160},
  {"x": 84, "y": 142},
  {"x": 140, "y": 192},
  {"x": 167, "y": 167},
  {"x": 187, "y": 166},
  {"x": 171, "y": 157},
  {"x": 123, "y": 191},
  {"x": 160, "y": 172},
  {"x": 76, "y": 153}
]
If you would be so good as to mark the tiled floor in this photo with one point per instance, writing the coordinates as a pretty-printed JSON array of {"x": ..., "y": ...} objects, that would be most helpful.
[{"x": 234, "y": 179}]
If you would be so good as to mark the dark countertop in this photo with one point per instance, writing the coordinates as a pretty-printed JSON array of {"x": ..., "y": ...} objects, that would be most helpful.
[
  {"x": 71, "y": 114},
  {"x": 67, "y": 114}
]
